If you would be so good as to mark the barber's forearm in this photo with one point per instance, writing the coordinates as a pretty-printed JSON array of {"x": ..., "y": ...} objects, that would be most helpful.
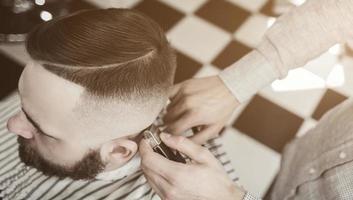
[
  {"x": 306, "y": 32},
  {"x": 296, "y": 38},
  {"x": 248, "y": 75}
]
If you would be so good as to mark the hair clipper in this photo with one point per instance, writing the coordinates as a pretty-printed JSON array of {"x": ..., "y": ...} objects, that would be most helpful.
[{"x": 152, "y": 135}]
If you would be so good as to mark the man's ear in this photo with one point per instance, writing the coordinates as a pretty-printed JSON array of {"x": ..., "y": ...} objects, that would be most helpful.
[{"x": 118, "y": 152}]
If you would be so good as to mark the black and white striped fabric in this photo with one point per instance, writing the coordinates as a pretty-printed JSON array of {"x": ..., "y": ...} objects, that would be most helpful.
[{"x": 19, "y": 182}]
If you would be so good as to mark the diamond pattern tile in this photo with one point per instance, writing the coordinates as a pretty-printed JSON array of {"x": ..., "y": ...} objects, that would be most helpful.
[
  {"x": 251, "y": 5},
  {"x": 231, "y": 53},
  {"x": 268, "y": 8},
  {"x": 330, "y": 99},
  {"x": 223, "y": 14},
  {"x": 198, "y": 39},
  {"x": 268, "y": 123},
  {"x": 187, "y": 67},
  {"x": 253, "y": 29},
  {"x": 165, "y": 15},
  {"x": 185, "y": 6}
]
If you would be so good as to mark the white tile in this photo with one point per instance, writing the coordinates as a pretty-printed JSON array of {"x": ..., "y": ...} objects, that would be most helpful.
[
  {"x": 124, "y": 3},
  {"x": 300, "y": 102},
  {"x": 336, "y": 49},
  {"x": 255, "y": 163},
  {"x": 347, "y": 81},
  {"x": 302, "y": 89},
  {"x": 297, "y": 2},
  {"x": 16, "y": 51},
  {"x": 322, "y": 65},
  {"x": 186, "y": 6},
  {"x": 336, "y": 77},
  {"x": 308, "y": 124},
  {"x": 114, "y": 3},
  {"x": 251, "y": 5},
  {"x": 198, "y": 38},
  {"x": 253, "y": 29}
]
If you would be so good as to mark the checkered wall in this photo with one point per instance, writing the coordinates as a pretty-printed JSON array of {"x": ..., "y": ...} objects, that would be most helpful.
[{"x": 208, "y": 36}]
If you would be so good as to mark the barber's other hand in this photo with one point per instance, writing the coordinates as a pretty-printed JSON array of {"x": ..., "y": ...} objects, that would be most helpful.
[
  {"x": 203, "y": 179},
  {"x": 201, "y": 102}
]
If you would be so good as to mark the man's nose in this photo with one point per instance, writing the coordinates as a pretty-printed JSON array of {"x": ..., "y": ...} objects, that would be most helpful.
[{"x": 19, "y": 125}]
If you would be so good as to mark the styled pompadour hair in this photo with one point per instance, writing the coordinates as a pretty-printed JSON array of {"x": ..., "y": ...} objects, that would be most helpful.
[{"x": 110, "y": 52}]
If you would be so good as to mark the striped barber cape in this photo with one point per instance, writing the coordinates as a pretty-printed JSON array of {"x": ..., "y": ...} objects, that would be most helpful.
[{"x": 19, "y": 182}]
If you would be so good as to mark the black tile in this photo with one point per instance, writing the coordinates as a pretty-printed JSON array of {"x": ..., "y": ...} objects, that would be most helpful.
[
  {"x": 163, "y": 14},
  {"x": 187, "y": 67},
  {"x": 269, "y": 9},
  {"x": 330, "y": 99},
  {"x": 230, "y": 54},
  {"x": 268, "y": 123},
  {"x": 80, "y": 5},
  {"x": 223, "y": 14}
]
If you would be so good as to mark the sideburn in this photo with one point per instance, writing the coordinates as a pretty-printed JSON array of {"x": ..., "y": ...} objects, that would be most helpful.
[{"x": 87, "y": 168}]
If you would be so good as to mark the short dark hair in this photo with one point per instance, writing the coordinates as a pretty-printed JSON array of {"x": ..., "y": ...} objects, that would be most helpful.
[{"x": 110, "y": 52}]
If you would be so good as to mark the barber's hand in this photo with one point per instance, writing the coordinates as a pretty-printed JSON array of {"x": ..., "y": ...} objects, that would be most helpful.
[
  {"x": 203, "y": 179},
  {"x": 202, "y": 102}
]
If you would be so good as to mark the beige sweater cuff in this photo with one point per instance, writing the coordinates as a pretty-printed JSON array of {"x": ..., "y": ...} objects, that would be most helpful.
[{"x": 247, "y": 76}]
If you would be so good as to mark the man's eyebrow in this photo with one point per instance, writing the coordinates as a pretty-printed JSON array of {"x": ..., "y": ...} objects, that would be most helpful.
[{"x": 36, "y": 125}]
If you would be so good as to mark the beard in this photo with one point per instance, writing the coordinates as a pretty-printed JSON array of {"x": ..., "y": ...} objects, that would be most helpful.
[{"x": 87, "y": 168}]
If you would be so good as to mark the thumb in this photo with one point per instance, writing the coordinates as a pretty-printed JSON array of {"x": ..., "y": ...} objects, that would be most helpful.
[{"x": 189, "y": 148}]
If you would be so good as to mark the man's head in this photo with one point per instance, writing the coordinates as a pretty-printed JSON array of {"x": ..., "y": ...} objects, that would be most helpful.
[{"x": 97, "y": 79}]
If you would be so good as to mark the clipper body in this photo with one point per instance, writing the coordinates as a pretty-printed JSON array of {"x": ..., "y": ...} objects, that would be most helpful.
[{"x": 152, "y": 135}]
